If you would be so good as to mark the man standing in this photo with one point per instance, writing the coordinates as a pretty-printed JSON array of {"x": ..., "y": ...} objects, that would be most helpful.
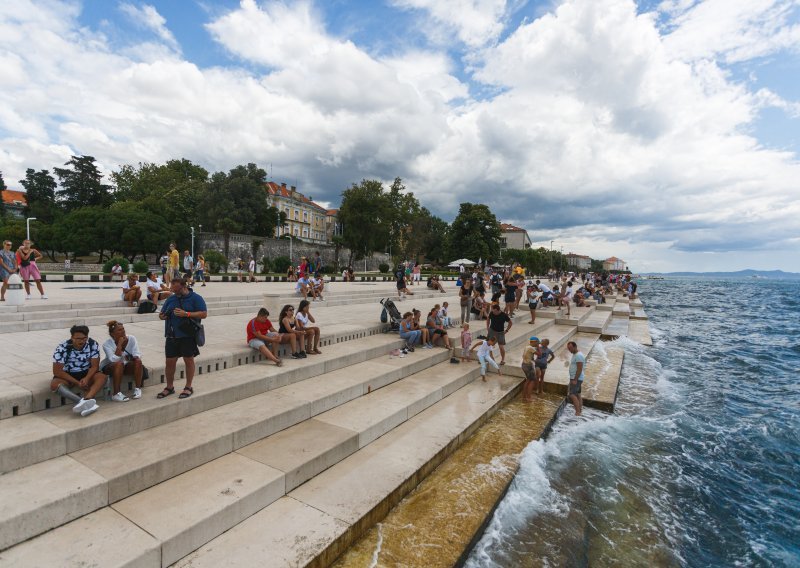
[
  {"x": 181, "y": 340},
  {"x": 188, "y": 265},
  {"x": 495, "y": 327},
  {"x": 172, "y": 266},
  {"x": 576, "y": 367}
]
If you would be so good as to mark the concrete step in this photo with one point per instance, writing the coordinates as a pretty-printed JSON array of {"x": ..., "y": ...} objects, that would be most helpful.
[
  {"x": 596, "y": 322},
  {"x": 639, "y": 331},
  {"x": 577, "y": 315}
]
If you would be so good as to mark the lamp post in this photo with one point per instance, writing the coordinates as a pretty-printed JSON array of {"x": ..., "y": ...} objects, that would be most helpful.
[
  {"x": 28, "y": 226},
  {"x": 192, "y": 241},
  {"x": 288, "y": 232},
  {"x": 551, "y": 255},
  {"x": 561, "y": 261}
]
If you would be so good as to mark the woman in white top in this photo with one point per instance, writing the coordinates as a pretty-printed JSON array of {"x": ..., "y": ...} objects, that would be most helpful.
[
  {"x": 121, "y": 355},
  {"x": 304, "y": 319},
  {"x": 131, "y": 292}
]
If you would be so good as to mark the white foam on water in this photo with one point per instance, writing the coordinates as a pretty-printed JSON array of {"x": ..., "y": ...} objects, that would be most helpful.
[{"x": 378, "y": 546}]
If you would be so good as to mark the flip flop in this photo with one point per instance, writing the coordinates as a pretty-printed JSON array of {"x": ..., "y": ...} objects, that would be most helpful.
[
  {"x": 166, "y": 392},
  {"x": 187, "y": 392}
]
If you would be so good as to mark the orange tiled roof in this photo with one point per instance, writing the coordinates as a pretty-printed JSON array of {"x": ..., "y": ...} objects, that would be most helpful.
[
  {"x": 506, "y": 228},
  {"x": 332, "y": 212},
  {"x": 281, "y": 190},
  {"x": 11, "y": 195}
]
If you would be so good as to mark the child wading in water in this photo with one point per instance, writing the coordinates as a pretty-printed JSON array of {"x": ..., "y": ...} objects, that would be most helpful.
[
  {"x": 466, "y": 342},
  {"x": 485, "y": 356},
  {"x": 529, "y": 355}
]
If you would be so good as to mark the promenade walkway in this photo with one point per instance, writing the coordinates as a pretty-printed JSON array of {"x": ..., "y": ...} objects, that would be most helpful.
[{"x": 263, "y": 466}]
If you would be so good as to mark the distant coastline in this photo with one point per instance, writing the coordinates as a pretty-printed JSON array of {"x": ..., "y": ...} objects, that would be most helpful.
[{"x": 749, "y": 273}]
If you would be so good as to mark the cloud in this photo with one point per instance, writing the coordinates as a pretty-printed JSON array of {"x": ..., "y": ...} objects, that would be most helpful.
[
  {"x": 148, "y": 17},
  {"x": 600, "y": 126},
  {"x": 731, "y": 30},
  {"x": 475, "y": 22}
]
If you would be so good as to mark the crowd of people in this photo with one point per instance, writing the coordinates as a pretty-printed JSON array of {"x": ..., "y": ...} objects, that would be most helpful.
[{"x": 22, "y": 262}]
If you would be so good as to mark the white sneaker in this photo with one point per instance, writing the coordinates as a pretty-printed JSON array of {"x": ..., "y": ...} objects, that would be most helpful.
[
  {"x": 83, "y": 404},
  {"x": 90, "y": 410},
  {"x": 28, "y": 297},
  {"x": 137, "y": 393},
  {"x": 119, "y": 397},
  {"x": 44, "y": 296}
]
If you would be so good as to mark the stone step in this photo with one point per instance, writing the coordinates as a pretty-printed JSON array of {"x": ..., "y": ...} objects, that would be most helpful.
[
  {"x": 135, "y": 462},
  {"x": 638, "y": 314},
  {"x": 34, "y": 438},
  {"x": 151, "y": 457},
  {"x": 313, "y": 524},
  {"x": 621, "y": 310},
  {"x": 617, "y": 327},
  {"x": 639, "y": 331},
  {"x": 596, "y": 322},
  {"x": 577, "y": 315}
]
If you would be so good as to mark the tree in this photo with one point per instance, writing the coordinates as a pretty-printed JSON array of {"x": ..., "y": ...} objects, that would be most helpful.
[
  {"x": 83, "y": 231},
  {"x": 133, "y": 231},
  {"x": 40, "y": 194},
  {"x": 81, "y": 184},
  {"x": 366, "y": 217},
  {"x": 236, "y": 202},
  {"x": 404, "y": 210},
  {"x": 2, "y": 203},
  {"x": 474, "y": 233}
]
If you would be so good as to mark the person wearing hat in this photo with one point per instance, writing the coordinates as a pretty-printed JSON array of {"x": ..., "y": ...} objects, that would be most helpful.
[{"x": 529, "y": 355}]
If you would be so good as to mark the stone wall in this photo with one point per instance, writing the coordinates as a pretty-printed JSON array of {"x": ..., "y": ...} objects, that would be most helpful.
[{"x": 241, "y": 246}]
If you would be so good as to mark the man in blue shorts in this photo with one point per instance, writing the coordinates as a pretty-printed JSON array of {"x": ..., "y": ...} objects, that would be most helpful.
[{"x": 576, "y": 367}]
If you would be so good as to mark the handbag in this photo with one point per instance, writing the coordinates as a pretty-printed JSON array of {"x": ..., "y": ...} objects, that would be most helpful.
[{"x": 193, "y": 328}]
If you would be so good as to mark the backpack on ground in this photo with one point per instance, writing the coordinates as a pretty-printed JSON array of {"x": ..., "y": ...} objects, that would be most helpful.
[{"x": 146, "y": 307}]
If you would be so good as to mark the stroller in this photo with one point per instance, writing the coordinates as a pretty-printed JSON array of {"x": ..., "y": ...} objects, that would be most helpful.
[{"x": 390, "y": 315}]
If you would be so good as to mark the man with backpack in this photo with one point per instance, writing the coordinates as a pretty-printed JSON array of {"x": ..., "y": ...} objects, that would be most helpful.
[{"x": 76, "y": 365}]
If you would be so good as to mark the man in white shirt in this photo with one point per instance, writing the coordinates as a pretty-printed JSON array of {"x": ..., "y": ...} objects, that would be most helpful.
[
  {"x": 251, "y": 270},
  {"x": 576, "y": 367}
]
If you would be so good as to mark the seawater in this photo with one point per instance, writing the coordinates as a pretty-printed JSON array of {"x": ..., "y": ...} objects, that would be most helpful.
[{"x": 700, "y": 463}]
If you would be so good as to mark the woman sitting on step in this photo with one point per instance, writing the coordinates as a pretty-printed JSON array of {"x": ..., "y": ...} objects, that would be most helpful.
[
  {"x": 407, "y": 331},
  {"x": 288, "y": 327},
  {"x": 436, "y": 330},
  {"x": 304, "y": 321}
]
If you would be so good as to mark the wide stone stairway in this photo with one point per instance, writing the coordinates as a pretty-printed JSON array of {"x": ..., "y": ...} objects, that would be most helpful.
[{"x": 263, "y": 466}]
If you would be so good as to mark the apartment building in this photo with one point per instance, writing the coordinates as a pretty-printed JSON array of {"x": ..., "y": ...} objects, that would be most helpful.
[{"x": 304, "y": 218}]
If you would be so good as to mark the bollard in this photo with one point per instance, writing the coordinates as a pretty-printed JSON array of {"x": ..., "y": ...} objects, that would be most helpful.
[{"x": 15, "y": 295}]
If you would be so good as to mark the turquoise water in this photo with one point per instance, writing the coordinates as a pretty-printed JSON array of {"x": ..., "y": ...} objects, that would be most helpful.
[{"x": 700, "y": 463}]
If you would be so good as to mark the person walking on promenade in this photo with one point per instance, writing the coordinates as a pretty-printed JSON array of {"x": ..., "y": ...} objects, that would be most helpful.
[
  {"x": 495, "y": 327},
  {"x": 26, "y": 260},
  {"x": 200, "y": 270},
  {"x": 416, "y": 273},
  {"x": 122, "y": 355},
  {"x": 251, "y": 270},
  {"x": 576, "y": 368},
  {"x": 8, "y": 266},
  {"x": 76, "y": 364},
  {"x": 181, "y": 339},
  {"x": 188, "y": 266},
  {"x": 402, "y": 287}
]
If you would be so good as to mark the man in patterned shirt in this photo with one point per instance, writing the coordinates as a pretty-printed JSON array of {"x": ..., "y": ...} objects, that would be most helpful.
[{"x": 76, "y": 364}]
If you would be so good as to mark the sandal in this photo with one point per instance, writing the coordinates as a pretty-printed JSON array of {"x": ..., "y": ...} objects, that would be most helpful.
[
  {"x": 166, "y": 392},
  {"x": 316, "y": 352},
  {"x": 279, "y": 363},
  {"x": 186, "y": 393}
]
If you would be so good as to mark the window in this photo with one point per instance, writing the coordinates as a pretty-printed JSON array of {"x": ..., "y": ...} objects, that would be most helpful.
[
  {"x": 503, "y": 242},
  {"x": 305, "y": 232},
  {"x": 305, "y": 216}
]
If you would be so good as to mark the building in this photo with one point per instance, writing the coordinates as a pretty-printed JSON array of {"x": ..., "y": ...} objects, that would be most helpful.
[
  {"x": 579, "y": 261},
  {"x": 513, "y": 237},
  {"x": 614, "y": 263},
  {"x": 333, "y": 227},
  {"x": 14, "y": 202},
  {"x": 304, "y": 218}
]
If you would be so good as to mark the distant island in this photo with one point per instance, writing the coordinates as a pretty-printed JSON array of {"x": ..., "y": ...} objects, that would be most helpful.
[{"x": 749, "y": 273}]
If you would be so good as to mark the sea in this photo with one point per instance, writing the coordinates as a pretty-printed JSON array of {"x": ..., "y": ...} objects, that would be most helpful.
[{"x": 699, "y": 465}]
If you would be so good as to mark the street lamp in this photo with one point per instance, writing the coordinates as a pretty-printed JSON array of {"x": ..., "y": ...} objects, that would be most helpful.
[
  {"x": 192, "y": 241},
  {"x": 551, "y": 255},
  {"x": 289, "y": 233},
  {"x": 28, "y": 226}
]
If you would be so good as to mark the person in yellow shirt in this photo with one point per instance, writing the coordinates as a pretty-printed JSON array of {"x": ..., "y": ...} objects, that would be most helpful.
[{"x": 173, "y": 267}]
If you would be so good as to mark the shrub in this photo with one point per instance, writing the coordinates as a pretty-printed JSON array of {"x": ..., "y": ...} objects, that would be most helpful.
[
  {"x": 266, "y": 264},
  {"x": 122, "y": 261},
  {"x": 281, "y": 264},
  {"x": 215, "y": 261},
  {"x": 141, "y": 267},
  {"x": 383, "y": 267}
]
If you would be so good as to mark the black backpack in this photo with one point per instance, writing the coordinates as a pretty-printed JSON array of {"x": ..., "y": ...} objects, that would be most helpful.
[{"x": 146, "y": 307}]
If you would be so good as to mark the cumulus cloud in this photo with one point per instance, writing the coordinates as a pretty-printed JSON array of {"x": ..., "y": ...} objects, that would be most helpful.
[{"x": 606, "y": 129}]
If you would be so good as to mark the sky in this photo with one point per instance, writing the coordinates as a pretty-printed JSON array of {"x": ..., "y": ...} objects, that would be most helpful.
[{"x": 665, "y": 132}]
